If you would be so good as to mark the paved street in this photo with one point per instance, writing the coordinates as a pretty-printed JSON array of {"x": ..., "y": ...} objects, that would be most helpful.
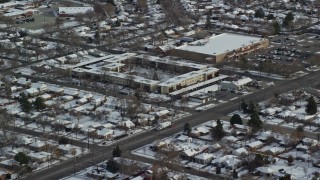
[{"x": 134, "y": 142}]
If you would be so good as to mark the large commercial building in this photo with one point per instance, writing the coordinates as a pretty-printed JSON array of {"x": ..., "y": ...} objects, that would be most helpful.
[
  {"x": 219, "y": 47},
  {"x": 188, "y": 79},
  {"x": 72, "y": 11},
  {"x": 112, "y": 68}
]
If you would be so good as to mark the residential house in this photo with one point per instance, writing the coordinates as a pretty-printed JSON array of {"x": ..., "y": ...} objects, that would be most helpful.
[
  {"x": 231, "y": 161},
  {"x": 128, "y": 124},
  {"x": 13, "y": 152},
  {"x": 203, "y": 158},
  {"x": 302, "y": 148},
  {"x": 9, "y": 164},
  {"x": 65, "y": 148},
  {"x": 40, "y": 156},
  {"x": 37, "y": 145},
  {"x": 215, "y": 147},
  {"x": 255, "y": 145},
  {"x": 31, "y": 92},
  {"x": 24, "y": 141},
  {"x": 239, "y": 151},
  {"x": 274, "y": 150},
  {"x": 162, "y": 113},
  {"x": 183, "y": 138},
  {"x": 105, "y": 133},
  {"x": 24, "y": 82},
  {"x": 42, "y": 88},
  {"x": 108, "y": 126},
  {"x": 98, "y": 101},
  {"x": 189, "y": 154},
  {"x": 82, "y": 101},
  {"x": 87, "y": 130},
  {"x": 229, "y": 139},
  {"x": 304, "y": 157},
  {"x": 263, "y": 136},
  {"x": 202, "y": 130},
  {"x": 309, "y": 142}
]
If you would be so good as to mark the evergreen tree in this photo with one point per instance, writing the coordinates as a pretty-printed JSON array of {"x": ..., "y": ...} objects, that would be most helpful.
[
  {"x": 276, "y": 28},
  {"x": 218, "y": 132},
  {"x": 155, "y": 76},
  {"x": 25, "y": 105},
  {"x": 63, "y": 140},
  {"x": 235, "y": 174},
  {"x": 116, "y": 152},
  {"x": 235, "y": 119},
  {"x": 255, "y": 122},
  {"x": 97, "y": 36},
  {"x": 218, "y": 170},
  {"x": 311, "y": 107},
  {"x": 259, "y": 13},
  {"x": 22, "y": 158},
  {"x": 112, "y": 166},
  {"x": 290, "y": 160},
  {"x": 299, "y": 132},
  {"x": 288, "y": 19},
  {"x": 252, "y": 108},
  {"x": 8, "y": 91},
  {"x": 208, "y": 18},
  {"x": 258, "y": 160},
  {"x": 244, "y": 62},
  {"x": 39, "y": 104},
  {"x": 270, "y": 16},
  {"x": 187, "y": 128},
  {"x": 244, "y": 106}
]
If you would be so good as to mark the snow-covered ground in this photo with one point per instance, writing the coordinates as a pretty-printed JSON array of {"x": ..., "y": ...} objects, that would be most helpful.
[
  {"x": 91, "y": 171},
  {"x": 225, "y": 149}
]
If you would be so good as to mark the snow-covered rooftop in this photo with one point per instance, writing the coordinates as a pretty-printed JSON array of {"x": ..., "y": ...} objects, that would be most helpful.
[
  {"x": 74, "y": 10},
  {"x": 219, "y": 44}
]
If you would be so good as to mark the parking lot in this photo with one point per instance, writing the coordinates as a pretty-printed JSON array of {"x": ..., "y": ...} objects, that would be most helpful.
[
  {"x": 46, "y": 15},
  {"x": 286, "y": 55}
]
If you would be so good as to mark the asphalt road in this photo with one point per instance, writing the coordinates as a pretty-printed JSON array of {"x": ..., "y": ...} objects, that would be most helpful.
[{"x": 133, "y": 142}]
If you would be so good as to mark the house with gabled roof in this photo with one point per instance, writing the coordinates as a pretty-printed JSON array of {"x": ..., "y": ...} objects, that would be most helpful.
[{"x": 204, "y": 158}]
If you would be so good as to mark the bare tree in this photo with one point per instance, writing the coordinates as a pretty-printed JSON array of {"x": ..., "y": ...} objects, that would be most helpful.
[
  {"x": 76, "y": 130},
  {"x": 57, "y": 153},
  {"x": 37, "y": 3},
  {"x": 128, "y": 166},
  {"x": 109, "y": 9},
  {"x": 167, "y": 156},
  {"x": 142, "y": 5},
  {"x": 175, "y": 13},
  {"x": 86, "y": 18},
  {"x": 73, "y": 152},
  {"x": 48, "y": 28},
  {"x": 132, "y": 105}
]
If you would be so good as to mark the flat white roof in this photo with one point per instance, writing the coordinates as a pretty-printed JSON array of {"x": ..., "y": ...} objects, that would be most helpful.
[
  {"x": 113, "y": 65},
  {"x": 219, "y": 44},
  {"x": 213, "y": 87},
  {"x": 189, "y": 75},
  {"x": 136, "y": 79},
  {"x": 172, "y": 62},
  {"x": 74, "y": 10},
  {"x": 112, "y": 58}
]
